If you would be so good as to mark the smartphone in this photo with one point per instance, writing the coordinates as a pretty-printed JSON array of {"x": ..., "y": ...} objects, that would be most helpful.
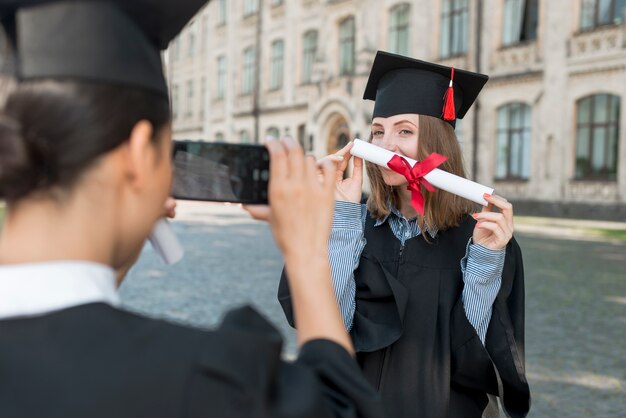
[{"x": 220, "y": 172}]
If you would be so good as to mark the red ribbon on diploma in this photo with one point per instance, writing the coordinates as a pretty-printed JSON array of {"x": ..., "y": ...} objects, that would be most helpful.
[{"x": 415, "y": 176}]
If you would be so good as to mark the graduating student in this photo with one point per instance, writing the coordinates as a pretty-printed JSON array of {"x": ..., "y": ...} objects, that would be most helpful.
[
  {"x": 433, "y": 294},
  {"x": 85, "y": 167}
]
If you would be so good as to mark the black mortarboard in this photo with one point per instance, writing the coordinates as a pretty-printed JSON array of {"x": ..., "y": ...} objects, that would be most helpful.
[
  {"x": 114, "y": 41},
  {"x": 401, "y": 84}
]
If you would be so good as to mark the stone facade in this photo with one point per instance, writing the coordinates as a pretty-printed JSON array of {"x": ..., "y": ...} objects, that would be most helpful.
[{"x": 549, "y": 74}]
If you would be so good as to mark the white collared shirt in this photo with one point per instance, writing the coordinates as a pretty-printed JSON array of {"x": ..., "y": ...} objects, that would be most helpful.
[{"x": 40, "y": 288}]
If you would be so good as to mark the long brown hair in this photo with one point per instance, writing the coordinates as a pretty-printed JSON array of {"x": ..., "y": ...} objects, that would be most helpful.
[{"x": 442, "y": 210}]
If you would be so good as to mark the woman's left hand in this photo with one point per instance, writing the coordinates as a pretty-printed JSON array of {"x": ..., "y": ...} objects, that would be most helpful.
[{"x": 494, "y": 230}]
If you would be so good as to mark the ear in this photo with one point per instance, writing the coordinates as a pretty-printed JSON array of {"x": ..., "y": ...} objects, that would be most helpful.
[{"x": 141, "y": 154}]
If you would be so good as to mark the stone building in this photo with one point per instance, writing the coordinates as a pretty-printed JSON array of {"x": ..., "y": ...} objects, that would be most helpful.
[{"x": 547, "y": 131}]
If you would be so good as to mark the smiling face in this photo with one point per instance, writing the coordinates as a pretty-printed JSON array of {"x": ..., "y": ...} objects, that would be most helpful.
[
  {"x": 399, "y": 134},
  {"x": 416, "y": 136}
]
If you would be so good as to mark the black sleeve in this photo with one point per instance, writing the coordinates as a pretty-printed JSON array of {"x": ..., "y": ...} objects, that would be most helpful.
[
  {"x": 241, "y": 374},
  {"x": 497, "y": 367},
  {"x": 284, "y": 298},
  {"x": 505, "y": 335},
  {"x": 380, "y": 305}
]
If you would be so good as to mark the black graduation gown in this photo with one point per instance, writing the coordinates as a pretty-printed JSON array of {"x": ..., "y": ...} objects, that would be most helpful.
[
  {"x": 413, "y": 339},
  {"x": 98, "y": 361}
]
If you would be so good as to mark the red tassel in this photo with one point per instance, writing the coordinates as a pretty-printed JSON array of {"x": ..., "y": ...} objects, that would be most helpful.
[{"x": 449, "y": 112}]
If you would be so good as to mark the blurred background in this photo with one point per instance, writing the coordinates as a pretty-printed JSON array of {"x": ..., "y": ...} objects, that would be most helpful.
[{"x": 547, "y": 130}]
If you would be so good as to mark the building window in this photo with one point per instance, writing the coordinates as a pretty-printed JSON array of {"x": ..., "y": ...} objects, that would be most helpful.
[
  {"x": 221, "y": 15},
  {"x": 202, "y": 97},
  {"x": 177, "y": 48},
  {"x": 189, "y": 101},
  {"x": 520, "y": 21},
  {"x": 513, "y": 136},
  {"x": 249, "y": 58},
  {"x": 175, "y": 101},
  {"x": 219, "y": 137},
  {"x": 596, "y": 13},
  {"x": 204, "y": 34},
  {"x": 454, "y": 28},
  {"x": 272, "y": 132},
  {"x": 250, "y": 7},
  {"x": 302, "y": 137},
  {"x": 278, "y": 63},
  {"x": 244, "y": 137},
  {"x": 346, "y": 46},
  {"x": 597, "y": 133},
  {"x": 309, "y": 52},
  {"x": 192, "y": 42},
  {"x": 221, "y": 78},
  {"x": 399, "y": 29}
]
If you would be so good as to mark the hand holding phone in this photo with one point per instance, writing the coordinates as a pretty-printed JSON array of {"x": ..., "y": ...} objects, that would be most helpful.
[
  {"x": 300, "y": 207},
  {"x": 301, "y": 195}
]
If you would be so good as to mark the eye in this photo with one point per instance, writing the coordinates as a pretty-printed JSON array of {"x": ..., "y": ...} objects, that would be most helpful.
[
  {"x": 406, "y": 132},
  {"x": 377, "y": 133}
]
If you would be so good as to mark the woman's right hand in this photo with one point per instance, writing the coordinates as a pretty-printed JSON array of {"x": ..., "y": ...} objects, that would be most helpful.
[
  {"x": 349, "y": 189},
  {"x": 301, "y": 199}
]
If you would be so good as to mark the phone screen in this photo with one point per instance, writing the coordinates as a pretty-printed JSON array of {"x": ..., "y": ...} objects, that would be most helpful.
[{"x": 220, "y": 172}]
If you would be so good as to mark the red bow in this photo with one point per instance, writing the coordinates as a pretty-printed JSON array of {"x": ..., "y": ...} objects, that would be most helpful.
[{"x": 415, "y": 176}]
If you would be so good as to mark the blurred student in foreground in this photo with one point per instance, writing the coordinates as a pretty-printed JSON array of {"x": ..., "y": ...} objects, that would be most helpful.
[{"x": 85, "y": 167}]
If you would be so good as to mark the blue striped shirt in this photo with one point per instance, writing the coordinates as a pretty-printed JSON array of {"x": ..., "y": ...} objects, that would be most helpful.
[{"x": 481, "y": 267}]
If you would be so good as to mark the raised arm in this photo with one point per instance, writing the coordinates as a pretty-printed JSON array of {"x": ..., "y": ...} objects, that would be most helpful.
[{"x": 301, "y": 196}]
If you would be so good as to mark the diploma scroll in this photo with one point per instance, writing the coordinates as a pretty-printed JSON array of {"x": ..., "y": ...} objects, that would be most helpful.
[
  {"x": 165, "y": 242},
  {"x": 440, "y": 179}
]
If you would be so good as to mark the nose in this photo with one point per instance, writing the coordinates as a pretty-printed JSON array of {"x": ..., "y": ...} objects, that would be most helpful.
[{"x": 388, "y": 141}]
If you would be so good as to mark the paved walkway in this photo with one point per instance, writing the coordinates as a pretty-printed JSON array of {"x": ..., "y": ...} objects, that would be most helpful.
[{"x": 575, "y": 299}]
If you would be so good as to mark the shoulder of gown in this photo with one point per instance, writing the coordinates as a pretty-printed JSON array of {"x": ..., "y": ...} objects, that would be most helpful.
[{"x": 241, "y": 372}]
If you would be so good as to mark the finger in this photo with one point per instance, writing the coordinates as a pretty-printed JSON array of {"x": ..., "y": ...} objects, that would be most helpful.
[
  {"x": 278, "y": 159},
  {"x": 341, "y": 168},
  {"x": 496, "y": 217},
  {"x": 357, "y": 173},
  {"x": 295, "y": 157},
  {"x": 346, "y": 149},
  {"x": 489, "y": 206},
  {"x": 259, "y": 212},
  {"x": 488, "y": 216},
  {"x": 343, "y": 165},
  {"x": 501, "y": 239},
  {"x": 328, "y": 171},
  {"x": 505, "y": 207},
  {"x": 312, "y": 167},
  {"x": 336, "y": 158}
]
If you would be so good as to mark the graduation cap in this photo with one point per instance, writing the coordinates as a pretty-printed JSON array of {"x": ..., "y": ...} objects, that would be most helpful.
[
  {"x": 112, "y": 41},
  {"x": 400, "y": 84}
]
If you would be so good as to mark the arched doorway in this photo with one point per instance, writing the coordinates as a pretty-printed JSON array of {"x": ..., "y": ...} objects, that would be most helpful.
[{"x": 338, "y": 134}]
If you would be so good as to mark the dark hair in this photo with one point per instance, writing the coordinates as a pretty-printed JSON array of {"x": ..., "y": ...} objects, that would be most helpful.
[{"x": 52, "y": 130}]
